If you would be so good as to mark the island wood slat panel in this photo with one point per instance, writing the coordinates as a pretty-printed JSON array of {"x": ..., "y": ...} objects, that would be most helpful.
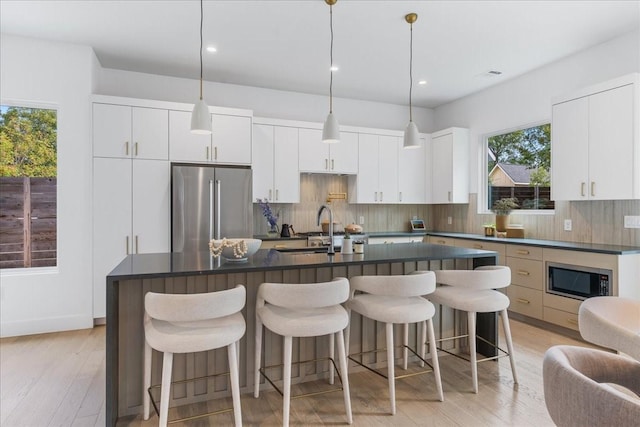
[{"x": 366, "y": 334}]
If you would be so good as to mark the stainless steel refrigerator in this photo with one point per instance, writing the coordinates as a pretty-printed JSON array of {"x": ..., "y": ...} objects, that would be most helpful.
[{"x": 209, "y": 202}]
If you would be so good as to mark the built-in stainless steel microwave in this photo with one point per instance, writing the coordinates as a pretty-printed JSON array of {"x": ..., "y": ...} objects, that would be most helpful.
[{"x": 576, "y": 281}]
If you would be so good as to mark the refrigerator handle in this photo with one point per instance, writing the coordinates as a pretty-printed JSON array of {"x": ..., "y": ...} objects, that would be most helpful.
[
  {"x": 218, "y": 185},
  {"x": 210, "y": 210}
]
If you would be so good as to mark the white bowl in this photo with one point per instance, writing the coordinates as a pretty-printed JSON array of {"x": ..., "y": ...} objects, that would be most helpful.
[{"x": 233, "y": 249}]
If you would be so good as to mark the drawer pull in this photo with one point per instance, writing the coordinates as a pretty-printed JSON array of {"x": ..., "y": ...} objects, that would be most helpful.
[
  {"x": 523, "y": 301},
  {"x": 477, "y": 246},
  {"x": 522, "y": 252},
  {"x": 441, "y": 242},
  {"x": 523, "y": 273},
  {"x": 572, "y": 321}
]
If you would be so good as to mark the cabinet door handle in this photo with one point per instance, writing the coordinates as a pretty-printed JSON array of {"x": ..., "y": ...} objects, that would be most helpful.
[
  {"x": 522, "y": 252},
  {"x": 136, "y": 244},
  {"x": 572, "y": 321},
  {"x": 135, "y": 149},
  {"x": 207, "y": 153},
  {"x": 332, "y": 164},
  {"x": 127, "y": 245},
  {"x": 277, "y": 195},
  {"x": 523, "y": 301},
  {"x": 523, "y": 273},
  {"x": 449, "y": 195},
  {"x": 400, "y": 196},
  {"x": 270, "y": 194},
  {"x": 126, "y": 148},
  {"x": 375, "y": 196},
  {"x": 593, "y": 188},
  {"x": 582, "y": 184},
  {"x": 381, "y": 196},
  {"x": 215, "y": 153},
  {"x": 477, "y": 246},
  {"x": 326, "y": 164},
  {"x": 441, "y": 242}
]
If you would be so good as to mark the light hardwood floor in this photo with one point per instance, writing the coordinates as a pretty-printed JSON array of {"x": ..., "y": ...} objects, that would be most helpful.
[{"x": 59, "y": 380}]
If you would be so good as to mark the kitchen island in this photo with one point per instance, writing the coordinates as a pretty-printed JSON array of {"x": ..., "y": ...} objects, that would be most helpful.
[{"x": 199, "y": 272}]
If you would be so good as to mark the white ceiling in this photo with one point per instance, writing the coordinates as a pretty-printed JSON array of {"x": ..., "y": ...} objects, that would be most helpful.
[{"x": 285, "y": 44}]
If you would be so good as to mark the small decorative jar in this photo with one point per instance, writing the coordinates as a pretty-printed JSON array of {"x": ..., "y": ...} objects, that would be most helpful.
[{"x": 358, "y": 247}]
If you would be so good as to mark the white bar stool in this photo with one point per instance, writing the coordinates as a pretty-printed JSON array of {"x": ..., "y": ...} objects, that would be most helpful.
[
  {"x": 397, "y": 299},
  {"x": 302, "y": 310},
  {"x": 189, "y": 323},
  {"x": 473, "y": 291}
]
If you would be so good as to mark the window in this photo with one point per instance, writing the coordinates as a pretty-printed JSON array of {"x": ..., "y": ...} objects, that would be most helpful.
[
  {"x": 28, "y": 171},
  {"x": 518, "y": 164}
]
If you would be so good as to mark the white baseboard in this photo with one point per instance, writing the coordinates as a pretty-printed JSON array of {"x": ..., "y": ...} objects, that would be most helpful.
[{"x": 45, "y": 325}]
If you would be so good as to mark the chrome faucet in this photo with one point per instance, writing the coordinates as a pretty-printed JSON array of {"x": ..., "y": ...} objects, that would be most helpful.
[{"x": 331, "y": 250}]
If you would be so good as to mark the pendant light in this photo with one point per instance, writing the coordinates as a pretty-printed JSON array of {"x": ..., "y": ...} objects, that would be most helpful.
[
  {"x": 200, "y": 117},
  {"x": 411, "y": 134},
  {"x": 331, "y": 129}
]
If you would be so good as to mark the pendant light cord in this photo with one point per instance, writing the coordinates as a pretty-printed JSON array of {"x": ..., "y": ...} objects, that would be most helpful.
[
  {"x": 201, "y": 19},
  {"x": 331, "y": 60},
  {"x": 410, "y": 71}
]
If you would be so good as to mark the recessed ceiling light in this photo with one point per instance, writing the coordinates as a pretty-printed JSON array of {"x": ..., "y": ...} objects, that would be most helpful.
[
  {"x": 422, "y": 82},
  {"x": 494, "y": 72},
  {"x": 334, "y": 68},
  {"x": 211, "y": 49}
]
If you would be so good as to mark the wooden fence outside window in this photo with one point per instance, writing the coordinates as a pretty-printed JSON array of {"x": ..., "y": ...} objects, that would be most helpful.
[{"x": 28, "y": 231}]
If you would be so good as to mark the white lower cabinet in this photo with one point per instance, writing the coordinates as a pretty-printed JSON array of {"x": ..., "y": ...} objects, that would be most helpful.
[
  {"x": 131, "y": 214},
  {"x": 395, "y": 239},
  {"x": 275, "y": 164}
]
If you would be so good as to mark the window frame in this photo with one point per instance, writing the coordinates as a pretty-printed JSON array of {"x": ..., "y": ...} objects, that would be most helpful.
[
  {"x": 483, "y": 174},
  {"x": 43, "y": 105}
]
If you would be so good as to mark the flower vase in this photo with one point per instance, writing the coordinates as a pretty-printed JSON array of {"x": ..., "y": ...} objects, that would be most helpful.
[
  {"x": 502, "y": 222},
  {"x": 273, "y": 231}
]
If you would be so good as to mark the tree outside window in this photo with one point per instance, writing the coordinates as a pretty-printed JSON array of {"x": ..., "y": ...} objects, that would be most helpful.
[
  {"x": 28, "y": 193},
  {"x": 518, "y": 165}
]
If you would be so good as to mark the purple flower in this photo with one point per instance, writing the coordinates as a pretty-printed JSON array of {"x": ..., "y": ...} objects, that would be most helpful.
[{"x": 268, "y": 213}]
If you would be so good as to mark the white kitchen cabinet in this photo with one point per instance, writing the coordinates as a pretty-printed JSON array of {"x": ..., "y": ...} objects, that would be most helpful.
[
  {"x": 377, "y": 179},
  {"x": 319, "y": 157},
  {"x": 595, "y": 143},
  {"x": 131, "y": 214},
  {"x": 414, "y": 173},
  {"x": 275, "y": 164},
  {"x": 450, "y": 166},
  {"x": 229, "y": 143},
  {"x": 123, "y": 131}
]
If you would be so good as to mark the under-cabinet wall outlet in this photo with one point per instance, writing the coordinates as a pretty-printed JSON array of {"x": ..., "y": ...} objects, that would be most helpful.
[
  {"x": 361, "y": 220},
  {"x": 567, "y": 225},
  {"x": 449, "y": 220},
  {"x": 631, "y": 221}
]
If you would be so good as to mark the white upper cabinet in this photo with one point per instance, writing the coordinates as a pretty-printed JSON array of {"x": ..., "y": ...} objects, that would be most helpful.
[
  {"x": 316, "y": 156},
  {"x": 122, "y": 131},
  {"x": 450, "y": 166},
  {"x": 377, "y": 179},
  {"x": 275, "y": 164},
  {"x": 186, "y": 146},
  {"x": 596, "y": 141},
  {"x": 414, "y": 173},
  {"x": 230, "y": 142},
  {"x": 231, "y": 139}
]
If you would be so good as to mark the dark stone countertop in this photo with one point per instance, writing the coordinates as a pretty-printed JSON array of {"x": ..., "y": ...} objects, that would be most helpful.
[
  {"x": 553, "y": 244},
  {"x": 180, "y": 264}
]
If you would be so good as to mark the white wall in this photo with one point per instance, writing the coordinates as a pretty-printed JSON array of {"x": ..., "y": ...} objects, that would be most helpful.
[
  {"x": 264, "y": 102},
  {"x": 58, "y": 75},
  {"x": 527, "y": 99}
]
